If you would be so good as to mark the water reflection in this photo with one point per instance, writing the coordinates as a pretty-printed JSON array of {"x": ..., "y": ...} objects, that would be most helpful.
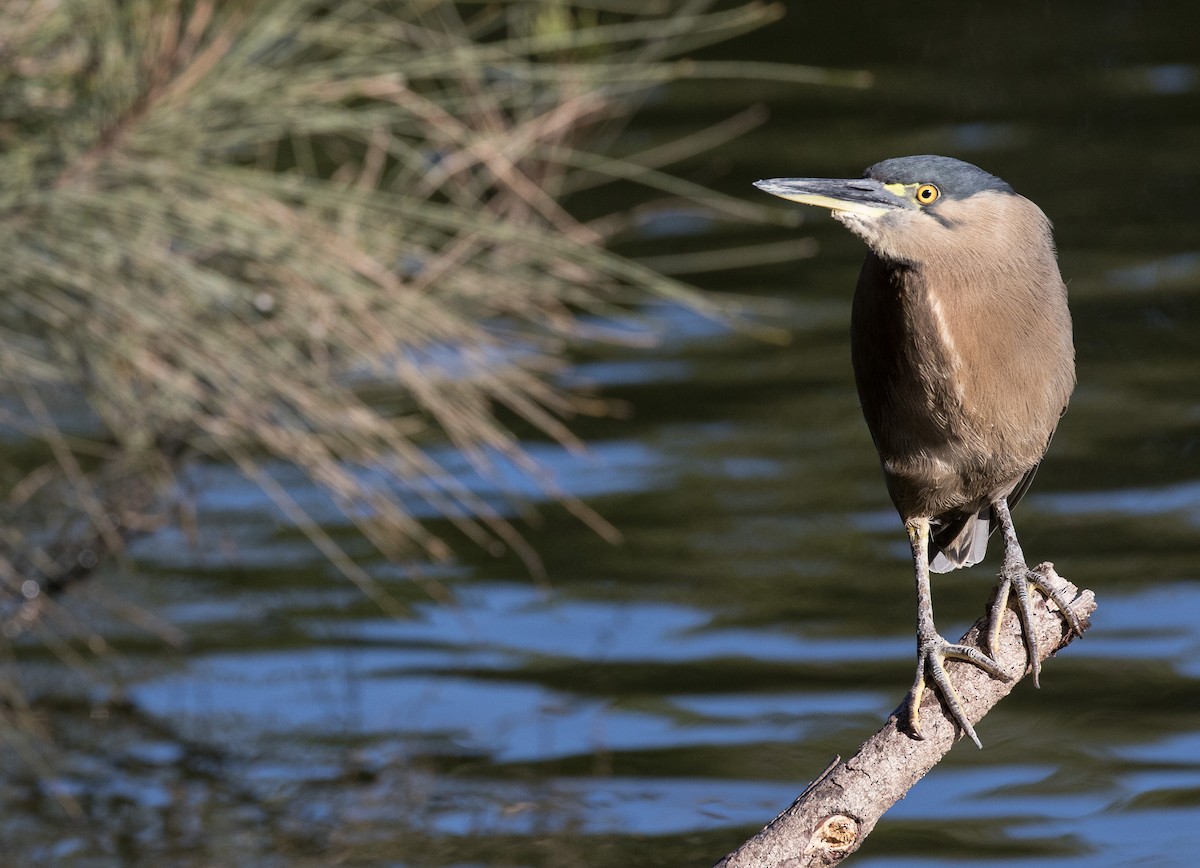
[
  {"x": 1167, "y": 78},
  {"x": 469, "y": 672},
  {"x": 1181, "y": 269},
  {"x": 984, "y": 137},
  {"x": 659, "y": 700}
]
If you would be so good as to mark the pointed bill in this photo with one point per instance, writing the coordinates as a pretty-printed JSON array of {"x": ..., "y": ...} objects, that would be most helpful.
[{"x": 864, "y": 196}]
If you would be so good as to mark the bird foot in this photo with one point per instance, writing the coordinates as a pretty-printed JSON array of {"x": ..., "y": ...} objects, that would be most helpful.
[
  {"x": 1015, "y": 581},
  {"x": 932, "y": 652}
]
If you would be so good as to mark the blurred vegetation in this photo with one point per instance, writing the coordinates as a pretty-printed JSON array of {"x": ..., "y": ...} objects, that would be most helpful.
[{"x": 329, "y": 235}]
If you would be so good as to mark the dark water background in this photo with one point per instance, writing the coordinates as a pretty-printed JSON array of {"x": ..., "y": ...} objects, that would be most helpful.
[{"x": 654, "y": 702}]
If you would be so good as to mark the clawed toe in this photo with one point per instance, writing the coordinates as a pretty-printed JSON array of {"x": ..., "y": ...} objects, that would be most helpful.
[
  {"x": 1015, "y": 581},
  {"x": 932, "y": 653}
]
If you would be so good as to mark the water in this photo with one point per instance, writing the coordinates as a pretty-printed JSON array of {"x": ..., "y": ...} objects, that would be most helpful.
[{"x": 654, "y": 702}]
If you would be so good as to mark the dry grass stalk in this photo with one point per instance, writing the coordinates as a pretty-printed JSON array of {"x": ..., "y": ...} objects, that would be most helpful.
[{"x": 227, "y": 228}]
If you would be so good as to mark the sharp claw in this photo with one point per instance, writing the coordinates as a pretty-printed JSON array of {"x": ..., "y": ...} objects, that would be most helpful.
[
  {"x": 1025, "y": 614},
  {"x": 931, "y": 656},
  {"x": 996, "y": 617},
  {"x": 974, "y": 655},
  {"x": 1041, "y": 581},
  {"x": 937, "y": 671},
  {"x": 914, "y": 700},
  {"x": 1017, "y": 578}
]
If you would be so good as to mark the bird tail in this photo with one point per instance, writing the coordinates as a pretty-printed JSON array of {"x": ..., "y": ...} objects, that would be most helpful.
[{"x": 961, "y": 541}]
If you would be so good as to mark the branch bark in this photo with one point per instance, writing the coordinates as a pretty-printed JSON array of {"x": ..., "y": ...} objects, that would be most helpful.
[{"x": 834, "y": 815}]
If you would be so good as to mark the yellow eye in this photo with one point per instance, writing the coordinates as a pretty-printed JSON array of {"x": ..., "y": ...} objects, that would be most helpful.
[{"x": 927, "y": 194}]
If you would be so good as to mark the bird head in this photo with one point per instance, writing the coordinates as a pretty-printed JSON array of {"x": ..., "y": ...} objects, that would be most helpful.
[{"x": 909, "y": 208}]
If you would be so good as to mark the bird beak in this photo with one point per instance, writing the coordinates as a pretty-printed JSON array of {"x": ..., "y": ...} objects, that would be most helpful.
[{"x": 864, "y": 196}]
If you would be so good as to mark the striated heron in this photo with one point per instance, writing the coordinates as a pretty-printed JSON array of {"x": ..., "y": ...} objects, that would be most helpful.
[{"x": 961, "y": 343}]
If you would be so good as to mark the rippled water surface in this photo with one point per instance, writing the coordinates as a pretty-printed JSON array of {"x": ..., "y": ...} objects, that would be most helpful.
[{"x": 654, "y": 702}]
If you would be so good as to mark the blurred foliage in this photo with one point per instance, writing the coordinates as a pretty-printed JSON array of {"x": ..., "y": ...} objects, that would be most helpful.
[{"x": 325, "y": 234}]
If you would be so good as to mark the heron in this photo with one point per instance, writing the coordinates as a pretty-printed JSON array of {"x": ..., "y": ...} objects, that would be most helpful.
[{"x": 961, "y": 343}]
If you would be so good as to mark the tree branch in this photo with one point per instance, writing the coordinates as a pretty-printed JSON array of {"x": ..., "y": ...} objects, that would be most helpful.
[{"x": 832, "y": 818}]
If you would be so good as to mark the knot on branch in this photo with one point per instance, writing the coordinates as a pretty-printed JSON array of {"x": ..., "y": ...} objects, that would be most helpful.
[{"x": 835, "y": 838}]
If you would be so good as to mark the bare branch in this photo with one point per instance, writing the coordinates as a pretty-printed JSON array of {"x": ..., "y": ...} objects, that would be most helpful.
[{"x": 832, "y": 818}]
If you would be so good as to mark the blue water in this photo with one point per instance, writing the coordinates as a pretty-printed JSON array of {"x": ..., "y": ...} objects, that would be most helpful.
[{"x": 668, "y": 695}]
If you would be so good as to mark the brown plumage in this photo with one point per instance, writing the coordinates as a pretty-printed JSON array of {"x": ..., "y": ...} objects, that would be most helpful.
[
  {"x": 973, "y": 352},
  {"x": 961, "y": 343}
]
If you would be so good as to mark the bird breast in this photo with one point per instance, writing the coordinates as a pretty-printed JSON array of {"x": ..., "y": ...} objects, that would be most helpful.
[{"x": 963, "y": 359}]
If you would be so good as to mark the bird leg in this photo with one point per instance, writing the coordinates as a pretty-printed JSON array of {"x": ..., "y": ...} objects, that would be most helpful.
[
  {"x": 932, "y": 648},
  {"x": 1015, "y": 579}
]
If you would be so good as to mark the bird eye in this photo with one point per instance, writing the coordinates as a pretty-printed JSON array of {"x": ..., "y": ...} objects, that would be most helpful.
[{"x": 927, "y": 194}]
